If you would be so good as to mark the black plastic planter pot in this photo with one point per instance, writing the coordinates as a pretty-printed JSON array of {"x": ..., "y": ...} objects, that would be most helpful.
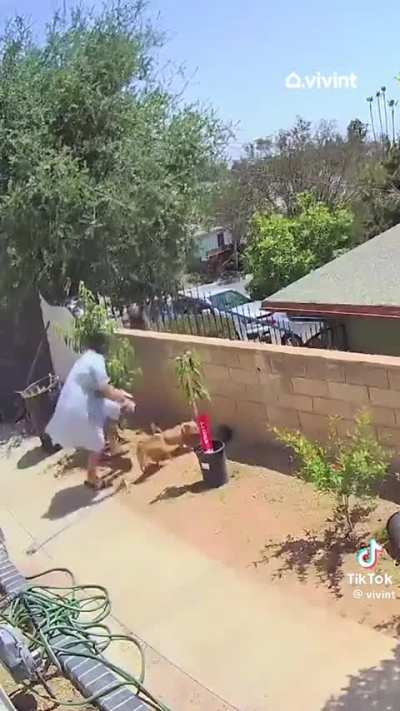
[
  {"x": 213, "y": 465},
  {"x": 393, "y": 529},
  {"x": 40, "y": 401}
]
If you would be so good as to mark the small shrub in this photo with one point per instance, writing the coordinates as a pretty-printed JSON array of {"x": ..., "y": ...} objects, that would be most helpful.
[
  {"x": 381, "y": 535},
  {"x": 351, "y": 467},
  {"x": 188, "y": 371},
  {"x": 121, "y": 367}
]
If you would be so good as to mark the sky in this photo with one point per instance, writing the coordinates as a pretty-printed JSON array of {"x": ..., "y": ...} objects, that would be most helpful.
[{"x": 237, "y": 54}]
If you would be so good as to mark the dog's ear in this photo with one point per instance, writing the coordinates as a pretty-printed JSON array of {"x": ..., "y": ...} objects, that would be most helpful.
[
  {"x": 189, "y": 429},
  {"x": 185, "y": 428}
]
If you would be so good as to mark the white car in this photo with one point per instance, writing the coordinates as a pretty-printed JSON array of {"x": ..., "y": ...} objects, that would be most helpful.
[{"x": 251, "y": 322}]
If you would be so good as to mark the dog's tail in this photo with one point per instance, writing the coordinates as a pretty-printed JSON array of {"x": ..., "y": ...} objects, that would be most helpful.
[{"x": 224, "y": 433}]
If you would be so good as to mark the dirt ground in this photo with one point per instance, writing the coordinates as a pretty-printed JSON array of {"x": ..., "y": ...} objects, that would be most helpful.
[
  {"x": 27, "y": 699},
  {"x": 268, "y": 523}
]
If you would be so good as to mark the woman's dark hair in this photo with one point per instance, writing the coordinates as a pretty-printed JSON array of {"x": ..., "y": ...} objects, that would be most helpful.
[{"x": 98, "y": 342}]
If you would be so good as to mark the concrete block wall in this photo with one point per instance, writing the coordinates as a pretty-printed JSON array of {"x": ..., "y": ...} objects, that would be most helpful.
[{"x": 255, "y": 387}]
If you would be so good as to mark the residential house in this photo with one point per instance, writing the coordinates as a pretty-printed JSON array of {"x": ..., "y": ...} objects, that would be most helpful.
[
  {"x": 359, "y": 290},
  {"x": 213, "y": 242}
]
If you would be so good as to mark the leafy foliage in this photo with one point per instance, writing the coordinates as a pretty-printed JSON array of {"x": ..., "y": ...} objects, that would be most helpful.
[
  {"x": 380, "y": 192},
  {"x": 100, "y": 165},
  {"x": 302, "y": 159},
  {"x": 120, "y": 360},
  {"x": 283, "y": 249},
  {"x": 188, "y": 372},
  {"x": 121, "y": 367},
  {"x": 94, "y": 319},
  {"x": 348, "y": 467}
]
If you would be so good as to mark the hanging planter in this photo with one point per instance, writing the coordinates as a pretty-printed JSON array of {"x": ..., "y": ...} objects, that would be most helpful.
[
  {"x": 210, "y": 453},
  {"x": 40, "y": 401}
]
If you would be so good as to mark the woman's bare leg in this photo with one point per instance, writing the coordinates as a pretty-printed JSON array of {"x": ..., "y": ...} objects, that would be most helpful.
[
  {"x": 93, "y": 461},
  {"x": 111, "y": 432}
]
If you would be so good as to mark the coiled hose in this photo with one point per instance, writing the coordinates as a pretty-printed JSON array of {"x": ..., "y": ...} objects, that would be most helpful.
[{"x": 43, "y": 613}]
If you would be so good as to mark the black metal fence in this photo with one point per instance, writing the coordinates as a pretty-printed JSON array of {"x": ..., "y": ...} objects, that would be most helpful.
[{"x": 230, "y": 314}]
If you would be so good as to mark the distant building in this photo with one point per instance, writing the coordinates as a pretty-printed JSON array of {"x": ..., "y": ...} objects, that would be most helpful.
[{"x": 209, "y": 244}]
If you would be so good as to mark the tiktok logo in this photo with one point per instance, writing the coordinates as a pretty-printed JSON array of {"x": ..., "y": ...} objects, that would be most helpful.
[{"x": 368, "y": 557}]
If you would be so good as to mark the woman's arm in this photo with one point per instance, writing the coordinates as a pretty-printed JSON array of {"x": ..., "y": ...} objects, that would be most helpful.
[
  {"x": 111, "y": 393},
  {"x": 102, "y": 385}
]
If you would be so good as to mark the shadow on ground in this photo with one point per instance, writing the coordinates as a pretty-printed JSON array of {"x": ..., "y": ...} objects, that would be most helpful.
[
  {"x": 321, "y": 554},
  {"x": 68, "y": 500},
  {"x": 275, "y": 456},
  {"x": 148, "y": 473},
  {"x": 174, "y": 492},
  {"x": 32, "y": 457},
  {"x": 272, "y": 455},
  {"x": 79, "y": 496},
  {"x": 26, "y": 701},
  {"x": 391, "y": 626},
  {"x": 373, "y": 688}
]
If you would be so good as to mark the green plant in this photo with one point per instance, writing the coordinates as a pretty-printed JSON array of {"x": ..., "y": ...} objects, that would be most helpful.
[
  {"x": 346, "y": 467},
  {"x": 188, "y": 370},
  {"x": 283, "y": 249},
  {"x": 120, "y": 359},
  {"x": 94, "y": 319},
  {"x": 121, "y": 364},
  {"x": 103, "y": 170},
  {"x": 381, "y": 535}
]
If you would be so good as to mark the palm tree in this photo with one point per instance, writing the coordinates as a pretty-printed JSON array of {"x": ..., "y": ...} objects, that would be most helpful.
[
  {"x": 392, "y": 104},
  {"x": 370, "y": 100},
  {"x": 378, "y": 96},
  {"x": 383, "y": 90}
]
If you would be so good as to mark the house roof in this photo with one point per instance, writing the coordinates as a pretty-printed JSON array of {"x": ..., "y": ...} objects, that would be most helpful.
[{"x": 362, "y": 282}]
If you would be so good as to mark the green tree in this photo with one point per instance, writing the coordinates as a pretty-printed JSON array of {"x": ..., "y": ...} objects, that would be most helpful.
[
  {"x": 100, "y": 165},
  {"x": 357, "y": 131},
  {"x": 304, "y": 158},
  {"x": 380, "y": 193},
  {"x": 282, "y": 249}
]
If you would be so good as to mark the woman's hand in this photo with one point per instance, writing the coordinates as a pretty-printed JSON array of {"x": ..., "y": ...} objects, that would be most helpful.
[
  {"x": 124, "y": 398},
  {"x": 115, "y": 394},
  {"x": 128, "y": 405}
]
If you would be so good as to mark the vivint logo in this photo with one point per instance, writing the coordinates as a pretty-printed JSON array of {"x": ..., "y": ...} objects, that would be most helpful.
[
  {"x": 321, "y": 81},
  {"x": 368, "y": 557}
]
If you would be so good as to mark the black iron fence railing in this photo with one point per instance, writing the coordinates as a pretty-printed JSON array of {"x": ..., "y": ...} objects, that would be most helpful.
[{"x": 230, "y": 314}]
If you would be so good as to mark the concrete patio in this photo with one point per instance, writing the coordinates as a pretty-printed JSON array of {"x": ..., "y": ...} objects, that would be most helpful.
[{"x": 214, "y": 639}]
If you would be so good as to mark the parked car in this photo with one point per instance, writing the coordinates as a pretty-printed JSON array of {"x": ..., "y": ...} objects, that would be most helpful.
[{"x": 250, "y": 321}]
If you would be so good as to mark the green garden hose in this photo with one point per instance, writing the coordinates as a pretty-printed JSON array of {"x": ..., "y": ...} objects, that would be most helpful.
[{"x": 44, "y": 613}]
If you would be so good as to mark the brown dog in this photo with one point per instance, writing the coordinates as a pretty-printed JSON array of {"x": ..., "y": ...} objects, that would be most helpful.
[{"x": 161, "y": 446}]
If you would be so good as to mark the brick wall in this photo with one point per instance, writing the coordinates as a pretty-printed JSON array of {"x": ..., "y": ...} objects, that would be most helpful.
[{"x": 256, "y": 386}]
